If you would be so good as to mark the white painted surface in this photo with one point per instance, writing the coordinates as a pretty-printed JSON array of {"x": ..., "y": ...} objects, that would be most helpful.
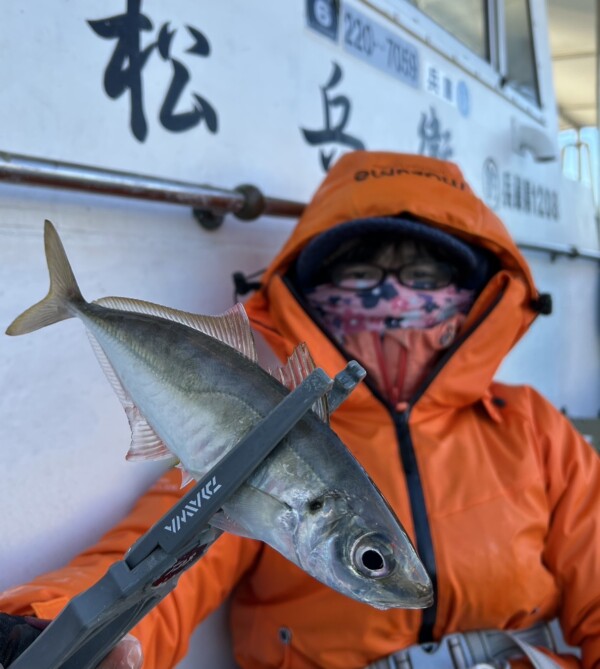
[
  {"x": 560, "y": 355},
  {"x": 63, "y": 435},
  {"x": 63, "y": 432}
]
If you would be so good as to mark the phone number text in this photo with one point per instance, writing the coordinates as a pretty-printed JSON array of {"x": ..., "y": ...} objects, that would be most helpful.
[{"x": 380, "y": 47}]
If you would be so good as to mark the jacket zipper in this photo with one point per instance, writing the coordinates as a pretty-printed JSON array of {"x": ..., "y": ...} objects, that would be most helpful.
[
  {"x": 420, "y": 519},
  {"x": 414, "y": 485}
]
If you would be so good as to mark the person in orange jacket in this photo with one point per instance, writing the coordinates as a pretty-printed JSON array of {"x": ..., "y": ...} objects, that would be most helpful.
[{"x": 395, "y": 262}]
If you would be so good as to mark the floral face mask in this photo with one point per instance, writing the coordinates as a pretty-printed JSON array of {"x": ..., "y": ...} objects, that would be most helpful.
[{"x": 388, "y": 306}]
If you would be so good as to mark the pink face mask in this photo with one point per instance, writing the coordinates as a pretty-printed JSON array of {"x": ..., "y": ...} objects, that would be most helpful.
[
  {"x": 387, "y": 307},
  {"x": 396, "y": 332}
]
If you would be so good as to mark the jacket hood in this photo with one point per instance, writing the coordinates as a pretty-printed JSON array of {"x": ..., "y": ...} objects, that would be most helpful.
[{"x": 366, "y": 184}]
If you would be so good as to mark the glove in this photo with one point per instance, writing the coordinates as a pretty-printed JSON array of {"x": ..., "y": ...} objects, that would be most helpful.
[
  {"x": 127, "y": 654},
  {"x": 17, "y": 633}
]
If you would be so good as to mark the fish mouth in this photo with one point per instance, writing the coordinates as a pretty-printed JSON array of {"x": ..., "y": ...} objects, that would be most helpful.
[
  {"x": 419, "y": 597},
  {"x": 426, "y": 598}
]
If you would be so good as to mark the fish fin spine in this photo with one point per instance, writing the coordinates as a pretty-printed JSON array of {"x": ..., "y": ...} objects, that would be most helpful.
[
  {"x": 63, "y": 296},
  {"x": 298, "y": 366},
  {"x": 186, "y": 477}
]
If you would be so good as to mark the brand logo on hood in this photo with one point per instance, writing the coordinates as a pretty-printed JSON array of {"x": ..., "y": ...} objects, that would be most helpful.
[{"x": 379, "y": 173}]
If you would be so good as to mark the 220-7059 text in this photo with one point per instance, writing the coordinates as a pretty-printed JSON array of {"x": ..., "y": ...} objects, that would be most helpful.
[
  {"x": 401, "y": 59},
  {"x": 380, "y": 47}
]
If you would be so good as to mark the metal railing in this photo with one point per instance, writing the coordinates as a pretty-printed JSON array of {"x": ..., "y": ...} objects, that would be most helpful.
[
  {"x": 582, "y": 162},
  {"x": 555, "y": 250},
  {"x": 209, "y": 204}
]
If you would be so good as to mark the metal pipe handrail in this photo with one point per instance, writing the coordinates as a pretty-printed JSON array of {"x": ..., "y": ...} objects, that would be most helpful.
[
  {"x": 596, "y": 180},
  {"x": 245, "y": 202},
  {"x": 568, "y": 250},
  {"x": 210, "y": 204}
]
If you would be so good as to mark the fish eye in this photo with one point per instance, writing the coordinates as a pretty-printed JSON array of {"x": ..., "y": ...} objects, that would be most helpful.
[
  {"x": 371, "y": 557},
  {"x": 372, "y": 560},
  {"x": 315, "y": 505}
]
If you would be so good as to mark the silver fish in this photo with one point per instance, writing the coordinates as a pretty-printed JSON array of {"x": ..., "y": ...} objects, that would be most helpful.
[{"x": 192, "y": 388}]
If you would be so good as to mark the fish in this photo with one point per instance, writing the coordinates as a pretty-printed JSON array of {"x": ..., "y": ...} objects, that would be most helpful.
[{"x": 192, "y": 387}]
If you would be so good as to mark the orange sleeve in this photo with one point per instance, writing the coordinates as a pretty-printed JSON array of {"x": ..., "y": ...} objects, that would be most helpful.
[
  {"x": 573, "y": 543},
  {"x": 165, "y": 631}
]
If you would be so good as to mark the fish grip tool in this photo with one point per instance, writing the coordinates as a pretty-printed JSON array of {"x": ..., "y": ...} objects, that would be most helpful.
[{"x": 94, "y": 621}]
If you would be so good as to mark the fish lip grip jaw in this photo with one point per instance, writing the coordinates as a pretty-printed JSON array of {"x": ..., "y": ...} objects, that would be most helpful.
[{"x": 94, "y": 621}]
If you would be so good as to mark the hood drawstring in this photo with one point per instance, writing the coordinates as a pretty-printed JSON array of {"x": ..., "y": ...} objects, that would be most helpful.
[{"x": 241, "y": 284}]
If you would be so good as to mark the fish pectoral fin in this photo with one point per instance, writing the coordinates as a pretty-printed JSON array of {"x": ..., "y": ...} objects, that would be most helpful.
[
  {"x": 145, "y": 443},
  {"x": 223, "y": 521},
  {"x": 231, "y": 328},
  {"x": 256, "y": 514},
  {"x": 298, "y": 366}
]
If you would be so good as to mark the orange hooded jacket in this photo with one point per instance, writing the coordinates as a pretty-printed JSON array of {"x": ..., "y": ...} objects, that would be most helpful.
[{"x": 499, "y": 493}]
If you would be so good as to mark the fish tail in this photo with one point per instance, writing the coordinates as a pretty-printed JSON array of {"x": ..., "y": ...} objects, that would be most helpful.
[{"x": 64, "y": 294}]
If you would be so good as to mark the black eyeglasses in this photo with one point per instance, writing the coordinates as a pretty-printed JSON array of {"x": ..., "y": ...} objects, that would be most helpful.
[{"x": 420, "y": 275}]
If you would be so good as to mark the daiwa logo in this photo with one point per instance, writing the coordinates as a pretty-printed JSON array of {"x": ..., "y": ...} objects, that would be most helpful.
[{"x": 193, "y": 506}]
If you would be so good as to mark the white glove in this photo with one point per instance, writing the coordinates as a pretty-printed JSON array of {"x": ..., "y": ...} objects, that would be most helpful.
[{"x": 127, "y": 654}]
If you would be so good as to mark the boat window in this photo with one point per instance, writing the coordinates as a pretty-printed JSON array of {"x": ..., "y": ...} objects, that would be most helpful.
[
  {"x": 520, "y": 55},
  {"x": 465, "y": 20}
]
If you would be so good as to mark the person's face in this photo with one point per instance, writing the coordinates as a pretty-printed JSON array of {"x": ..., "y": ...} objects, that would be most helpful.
[{"x": 413, "y": 263}]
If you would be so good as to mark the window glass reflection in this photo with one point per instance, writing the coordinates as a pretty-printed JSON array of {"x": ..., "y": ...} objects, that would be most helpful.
[
  {"x": 465, "y": 19},
  {"x": 521, "y": 72}
]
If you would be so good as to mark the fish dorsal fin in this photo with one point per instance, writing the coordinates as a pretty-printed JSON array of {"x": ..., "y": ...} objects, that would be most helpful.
[
  {"x": 299, "y": 365},
  {"x": 231, "y": 328},
  {"x": 145, "y": 443}
]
